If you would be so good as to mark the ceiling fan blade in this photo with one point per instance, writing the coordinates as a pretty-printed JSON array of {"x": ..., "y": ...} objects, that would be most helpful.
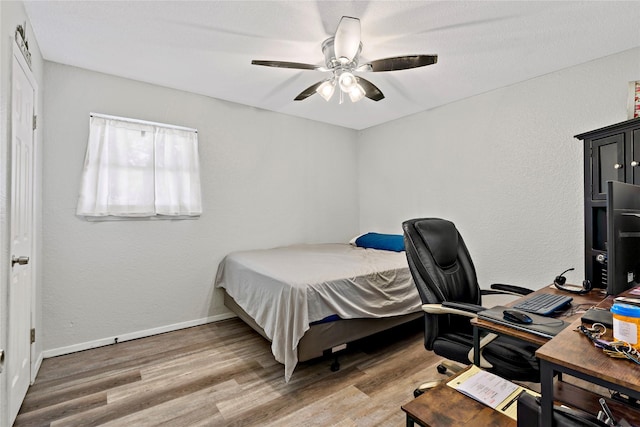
[
  {"x": 308, "y": 92},
  {"x": 371, "y": 91},
  {"x": 346, "y": 41},
  {"x": 401, "y": 63},
  {"x": 282, "y": 64}
]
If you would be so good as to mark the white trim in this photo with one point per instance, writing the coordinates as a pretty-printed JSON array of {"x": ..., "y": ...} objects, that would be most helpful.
[
  {"x": 135, "y": 335},
  {"x": 142, "y": 122},
  {"x": 102, "y": 218},
  {"x": 37, "y": 364}
]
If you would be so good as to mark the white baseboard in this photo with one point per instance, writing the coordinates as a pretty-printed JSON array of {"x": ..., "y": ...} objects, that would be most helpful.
[
  {"x": 36, "y": 367},
  {"x": 134, "y": 335}
]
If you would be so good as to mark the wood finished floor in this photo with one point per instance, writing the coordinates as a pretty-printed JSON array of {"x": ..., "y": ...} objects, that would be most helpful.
[{"x": 223, "y": 374}]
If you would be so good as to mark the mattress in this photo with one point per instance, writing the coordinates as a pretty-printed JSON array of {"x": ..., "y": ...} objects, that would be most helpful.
[{"x": 285, "y": 289}]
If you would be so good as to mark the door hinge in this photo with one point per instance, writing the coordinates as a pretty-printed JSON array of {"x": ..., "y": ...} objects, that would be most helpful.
[
  {"x": 33, "y": 335},
  {"x": 35, "y": 122}
]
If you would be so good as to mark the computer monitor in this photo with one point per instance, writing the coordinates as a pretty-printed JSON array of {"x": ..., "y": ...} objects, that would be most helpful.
[{"x": 623, "y": 237}]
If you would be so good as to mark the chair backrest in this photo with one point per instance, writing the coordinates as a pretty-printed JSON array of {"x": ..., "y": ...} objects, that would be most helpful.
[{"x": 442, "y": 270}]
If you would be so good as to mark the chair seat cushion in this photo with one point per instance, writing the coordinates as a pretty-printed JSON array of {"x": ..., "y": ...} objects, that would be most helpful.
[
  {"x": 511, "y": 358},
  {"x": 453, "y": 347}
]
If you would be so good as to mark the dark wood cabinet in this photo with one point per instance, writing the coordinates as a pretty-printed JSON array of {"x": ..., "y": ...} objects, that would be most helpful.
[
  {"x": 607, "y": 160},
  {"x": 611, "y": 153}
]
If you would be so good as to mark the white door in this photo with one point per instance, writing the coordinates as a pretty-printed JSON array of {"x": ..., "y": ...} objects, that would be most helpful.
[{"x": 18, "y": 358}]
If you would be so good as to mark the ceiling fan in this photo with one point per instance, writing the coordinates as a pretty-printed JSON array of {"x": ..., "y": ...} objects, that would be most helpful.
[{"x": 341, "y": 57}]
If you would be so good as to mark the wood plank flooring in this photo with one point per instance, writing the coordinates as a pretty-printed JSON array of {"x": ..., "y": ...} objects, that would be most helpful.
[{"x": 223, "y": 374}]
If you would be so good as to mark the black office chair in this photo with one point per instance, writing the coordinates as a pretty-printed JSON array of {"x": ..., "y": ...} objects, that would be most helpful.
[{"x": 446, "y": 280}]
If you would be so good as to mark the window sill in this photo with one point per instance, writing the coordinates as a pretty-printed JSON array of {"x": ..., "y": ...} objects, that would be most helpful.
[{"x": 138, "y": 218}]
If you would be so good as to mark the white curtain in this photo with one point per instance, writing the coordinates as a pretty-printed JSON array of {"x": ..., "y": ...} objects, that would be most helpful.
[{"x": 135, "y": 169}]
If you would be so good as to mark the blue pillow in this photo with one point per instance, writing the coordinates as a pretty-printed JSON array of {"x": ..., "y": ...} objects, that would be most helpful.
[{"x": 386, "y": 242}]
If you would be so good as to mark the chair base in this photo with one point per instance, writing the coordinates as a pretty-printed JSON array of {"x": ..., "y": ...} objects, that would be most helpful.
[
  {"x": 424, "y": 387},
  {"x": 446, "y": 366}
]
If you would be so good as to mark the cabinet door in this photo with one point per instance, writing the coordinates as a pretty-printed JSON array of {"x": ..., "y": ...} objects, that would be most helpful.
[
  {"x": 607, "y": 163},
  {"x": 633, "y": 160}
]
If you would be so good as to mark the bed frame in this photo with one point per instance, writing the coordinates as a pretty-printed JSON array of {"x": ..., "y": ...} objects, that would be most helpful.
[{"x": 328, "y": 337}]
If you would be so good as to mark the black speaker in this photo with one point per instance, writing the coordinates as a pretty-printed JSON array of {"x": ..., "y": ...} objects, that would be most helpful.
[{"x": 560, "y": 280}]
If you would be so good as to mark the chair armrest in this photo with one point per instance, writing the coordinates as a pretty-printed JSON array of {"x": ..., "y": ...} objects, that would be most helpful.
[
  {"x": 447, "y": 307},
  {"x": 440, "y": 309},
  {"x": 484, "y": 363},
  {"x": 474, "y": 308},
  {"x": 510, "y": 289},
  {"x": 468, "y": 310}
]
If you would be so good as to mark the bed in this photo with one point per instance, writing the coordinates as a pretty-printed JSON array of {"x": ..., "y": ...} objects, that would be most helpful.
[{"x": 308, "y": 299}]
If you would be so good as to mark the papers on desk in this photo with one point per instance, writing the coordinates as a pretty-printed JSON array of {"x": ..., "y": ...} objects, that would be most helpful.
[
  {"x": 491, "y": 390},
  {"x": 635, "y": 291}
]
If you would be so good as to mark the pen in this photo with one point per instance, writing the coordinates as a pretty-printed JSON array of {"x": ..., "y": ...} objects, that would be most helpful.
[{"x": 505, "y": 407}]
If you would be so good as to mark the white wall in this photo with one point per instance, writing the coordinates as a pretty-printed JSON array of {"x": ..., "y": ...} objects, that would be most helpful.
[
  {"x": 268, "y": 179},
  {"x": 12, "y": 14},
  {"x": 503, "y": 166}
]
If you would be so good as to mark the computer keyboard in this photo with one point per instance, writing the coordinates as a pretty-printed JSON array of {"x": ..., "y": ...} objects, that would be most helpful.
[{"x": 543, "y": 304}]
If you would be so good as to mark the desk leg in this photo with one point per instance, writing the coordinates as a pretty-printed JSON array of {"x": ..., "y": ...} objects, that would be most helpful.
[
  {"x": 546, "y": 389},
  {"x": 476, "y": 346},
  {"x": 410, "y": 422}
]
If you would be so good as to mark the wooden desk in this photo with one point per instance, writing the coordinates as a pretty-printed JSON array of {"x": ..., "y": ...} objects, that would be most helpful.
[
  {"x": 583, "y": 302},
  {"x": 572, "y": 353},
  {"x": 442, "y": 406}
]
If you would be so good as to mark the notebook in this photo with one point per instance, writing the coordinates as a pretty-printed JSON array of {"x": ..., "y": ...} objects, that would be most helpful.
[{"x": 546, "y": 327}]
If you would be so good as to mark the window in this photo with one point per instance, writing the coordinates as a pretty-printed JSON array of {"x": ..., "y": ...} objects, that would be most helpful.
[{"x": 134, "y": 168}]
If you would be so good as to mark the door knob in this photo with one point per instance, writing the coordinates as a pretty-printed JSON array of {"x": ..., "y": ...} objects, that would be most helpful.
[
  {"x": 617, "y": 166},
  {"x": 21, "y": 260}
]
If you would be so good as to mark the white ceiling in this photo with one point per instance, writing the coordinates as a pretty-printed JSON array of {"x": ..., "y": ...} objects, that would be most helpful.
[{"x": 206, "y": 47}]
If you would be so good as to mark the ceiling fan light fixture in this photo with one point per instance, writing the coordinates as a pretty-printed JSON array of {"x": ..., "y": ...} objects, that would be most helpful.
[
  {"x": 347, "y": 81},
  {"x": 326, "y": 89},
  {"x": 342, "y": 59},
  {"x": 356, "y": 93}
]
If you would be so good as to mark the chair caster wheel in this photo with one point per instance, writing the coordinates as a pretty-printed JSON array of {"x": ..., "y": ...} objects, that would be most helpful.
[
  {"x": 417, "y": 392},
  {"x": 441, "y": 369}
]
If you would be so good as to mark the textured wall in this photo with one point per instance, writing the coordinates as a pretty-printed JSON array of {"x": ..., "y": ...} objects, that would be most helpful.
[
  {"x": 504, "y": 166},
  {"x": 267, "y": 179}
]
